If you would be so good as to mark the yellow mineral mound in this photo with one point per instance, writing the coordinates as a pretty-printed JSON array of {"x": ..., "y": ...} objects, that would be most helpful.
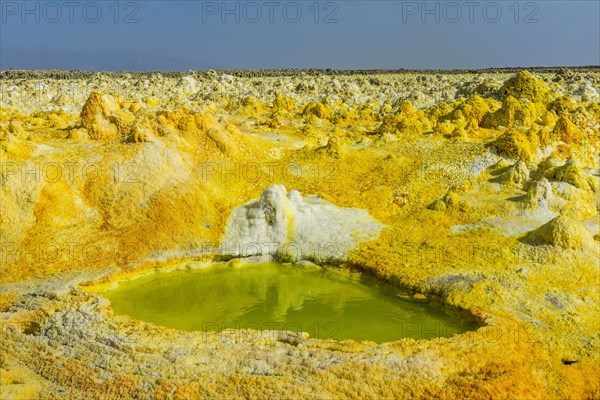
[
  {"x": 102, "y": 117},
  {"x": 407, "y": 121},
  {"x": 59, "y": 206},
  {"x": 525, "y": 86},
  {"x": 251, "y": 106},
  {"x": 190, "y": 122},
  {"x": 572, "y": 173},
  {"x": 223, "y": 139},
  {"x": 540, "y": 137},
  {"x": 13, "y": 129},
  {"x": 450, "y": 199},
  {"x": 140, "y": 132},
  {"x": 515, "y": 113},
  {"x": 552, "y": 161},
  {"x": 516, "y": 174},
  {"x": 464, "y": 118},
  {"x": 547, "y": 119},
  {"x": 16, "y": 148},
  {"x": 282, "y": 103},
  {"x": 460, "y": 133},
  {"x": 475, "y": 108},
  {"x": 563, "y": 232},
  {"x": 499, "y": 168},
  {"x": 167, "y": 121},
  {"x": 334, "y": 148},
  {"x": 538, "y": 191},
  {"x": 562, "y": 105},
  {"x": 320, "y": 110},
  {"x": 514, "y": 143},
  {"x": 567, "y": 131}
]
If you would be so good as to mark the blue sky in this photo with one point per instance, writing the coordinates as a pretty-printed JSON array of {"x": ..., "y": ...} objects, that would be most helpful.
[{"x": 194, "y": 34}]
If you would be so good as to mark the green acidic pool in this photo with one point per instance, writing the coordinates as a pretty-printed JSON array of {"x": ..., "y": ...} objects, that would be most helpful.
[{"x": 325, "y": 302}]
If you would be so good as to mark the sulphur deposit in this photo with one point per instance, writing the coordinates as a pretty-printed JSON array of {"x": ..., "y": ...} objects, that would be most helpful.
[{"x": 477, "y": 190}]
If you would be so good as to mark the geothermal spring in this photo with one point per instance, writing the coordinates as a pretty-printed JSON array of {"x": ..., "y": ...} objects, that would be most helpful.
[{"x": 300, "y": 234}]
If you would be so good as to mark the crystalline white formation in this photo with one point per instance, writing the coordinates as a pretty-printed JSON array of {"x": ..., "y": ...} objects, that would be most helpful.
[{"x": 289, "y": 227}]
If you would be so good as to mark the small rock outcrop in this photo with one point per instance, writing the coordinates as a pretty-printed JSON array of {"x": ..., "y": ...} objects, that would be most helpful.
[
  {"x": 515, "y": 174},
  {"x": 566, "y": 130},
  {"x": 514, "y": 143},
  {"x": 572, "y": 173},
  {"x": 286, "y": 226},
  {"x": 98, "y": 117},
  {"x": 450, "y": 199},
  {"x": 320, "y": 110},
  {"x": 406, "y": 122},
  {"x": 334, "y": 148},
  {"x": 563, "y": 232},
  {"x": 526, "y": 86},
  {"x": 539, "y": 191}
]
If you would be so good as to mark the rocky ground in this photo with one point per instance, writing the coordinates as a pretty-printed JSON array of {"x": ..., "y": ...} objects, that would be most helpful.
[{"x": 485, "y": 183}]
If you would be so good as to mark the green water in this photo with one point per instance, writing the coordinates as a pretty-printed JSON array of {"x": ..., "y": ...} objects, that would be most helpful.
[{"x": 324, "y": 302}]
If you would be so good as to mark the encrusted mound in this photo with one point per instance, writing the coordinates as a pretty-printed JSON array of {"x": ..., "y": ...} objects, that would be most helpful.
[
  {"x": 563, "y": 232},
  {"x": 290, "y": 227},
  {"x": 516, "y": 144},
  {"x": 572, "y": 173},
  {"x": 526, "y": 86},
  {"x": 515, "y": 174},
  {"x": 539, "y": 191}
]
